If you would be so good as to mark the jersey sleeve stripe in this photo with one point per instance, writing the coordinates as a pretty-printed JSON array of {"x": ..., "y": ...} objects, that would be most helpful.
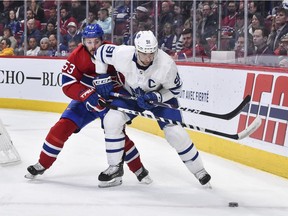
[
  {"x": 101, "y": 54},
  {"x": 67, "y": 79}
]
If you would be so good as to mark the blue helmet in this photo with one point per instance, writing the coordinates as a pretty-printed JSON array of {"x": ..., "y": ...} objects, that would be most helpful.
[{"x": 92, "y": 31}]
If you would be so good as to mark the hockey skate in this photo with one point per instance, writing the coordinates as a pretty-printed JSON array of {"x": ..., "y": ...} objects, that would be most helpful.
[
  {"x": 112, "y": 176},
  {"x": 143, "y": 176},
  {"x": 34, "y": 170},
  {"x": 203, "y": 177}
]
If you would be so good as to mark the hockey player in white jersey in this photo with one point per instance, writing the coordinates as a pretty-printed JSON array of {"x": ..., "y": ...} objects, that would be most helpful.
[{"x": 150, "y": 75}]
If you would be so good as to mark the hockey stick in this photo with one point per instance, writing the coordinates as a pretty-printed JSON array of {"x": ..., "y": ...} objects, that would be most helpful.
[
  {"x": 246, "y": 132},
  {"x": 226, "y": 116}
]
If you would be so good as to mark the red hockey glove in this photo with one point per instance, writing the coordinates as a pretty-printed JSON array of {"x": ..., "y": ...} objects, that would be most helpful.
[{"x": 90, "y": 98}]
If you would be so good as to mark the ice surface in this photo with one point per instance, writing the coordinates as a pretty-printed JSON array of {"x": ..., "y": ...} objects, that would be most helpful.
[{"x": 69, "y": 187}]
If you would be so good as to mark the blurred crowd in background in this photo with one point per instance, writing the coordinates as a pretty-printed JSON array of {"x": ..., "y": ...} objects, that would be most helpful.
[{"x": 241, "y": 32}]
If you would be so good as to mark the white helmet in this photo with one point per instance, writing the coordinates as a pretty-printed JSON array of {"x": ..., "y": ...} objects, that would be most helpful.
[{"x": 146, "y": 42}]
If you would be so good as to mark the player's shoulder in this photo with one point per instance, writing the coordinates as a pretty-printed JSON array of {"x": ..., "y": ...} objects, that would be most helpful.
[
  {"x": 119, "y": 47},
  {"x": 118, "y": 50},
  {"x": 80, "y": 49},
  {"x": 164, "y": 58}
]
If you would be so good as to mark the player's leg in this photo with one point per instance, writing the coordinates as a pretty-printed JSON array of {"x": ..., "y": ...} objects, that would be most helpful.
[
  {"x": 179, "y": 139},
  {"x": 132, "y": 158},
  {"x": 114, "y": 123},
  {"x": 72, "y": 120}
]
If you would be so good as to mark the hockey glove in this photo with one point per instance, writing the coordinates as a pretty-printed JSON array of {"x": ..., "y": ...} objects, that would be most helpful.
[
  {"x": 90, "y": 99},
  {"x": 143, "y": 100},
  {"x": 103, "y": 85}
]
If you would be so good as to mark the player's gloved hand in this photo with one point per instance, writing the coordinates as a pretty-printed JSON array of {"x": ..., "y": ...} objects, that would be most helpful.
[
  {"x": 91, "y": 100},
  {"x": 143, "y": 100},
  {"x": 103, "y": 85}
]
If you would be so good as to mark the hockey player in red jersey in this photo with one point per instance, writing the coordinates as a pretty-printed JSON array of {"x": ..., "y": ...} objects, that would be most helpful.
[{"x": 78, "y": 74}]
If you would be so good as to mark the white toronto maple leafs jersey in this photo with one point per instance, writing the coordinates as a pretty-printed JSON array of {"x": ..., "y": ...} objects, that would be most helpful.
[{"x": 162, "y": 75}]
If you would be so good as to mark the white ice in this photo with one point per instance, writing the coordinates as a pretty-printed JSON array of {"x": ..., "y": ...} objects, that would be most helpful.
[{"x": 69, "y": 187}]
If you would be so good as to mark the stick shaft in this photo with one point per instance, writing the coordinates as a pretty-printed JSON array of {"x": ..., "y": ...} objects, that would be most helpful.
[{"x": 226, "y": 116}]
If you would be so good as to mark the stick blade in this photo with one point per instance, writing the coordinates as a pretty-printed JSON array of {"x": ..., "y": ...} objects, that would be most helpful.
[{"x": 251, "y": 128}]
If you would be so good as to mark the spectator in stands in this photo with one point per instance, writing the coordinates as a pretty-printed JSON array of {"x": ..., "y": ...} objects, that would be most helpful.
[
  {"x": 47, "y": 4},
  {"x": 33, "y": 47},
  {"x": 32, "y": 31},
  {"x": 178, "y": 15},
  {"x": 94, "y": 6},
  {"x": 122, "y": 15},
  {"x": 282, "y": 51},
  {"x": 54, "y": 48},
  {"x": 208, "y": 23},
  {"x": 187, "y": 51},
  {"x": 239, "y": 25},
  {"x": 188, "y": 23},
  {"x": 52, "y": 15},
  {"x": 107, "y": 5},
  {"x": 263, "y": 54},
  {"x": 37, "y": 11},
  {"x": 4, "y": 12},
  {"x": 105, "y": 22},
  {"x": 19, "y": 51},
  {"x": 240, "y": 47},
  {"x": 279, "y": 29},
  {"x": 212, "y": 42},
  {"x": 50, "y": 29},
  {"x": 257, "y": 21},
  {"x": 166, "y": 42},
  {"x": 6, "y": 49},
  {"x": 142, "y": 14},
  {"x": 72, "y": 33},
  {"x": 282, "y": 47},
  {"x": 30, "y": 15},
  {"x": 78, "y": 11},
  {"x": 65, "y": 19},
  {"x": 91, "y": 19},
  {"x": 177, "y": 44},
  {"x": 13, "y": 23},
  {"x": 44, "y": 47},
  {"x": 127, "y": 39},
  {"x": 72, "y": 45},
  {"x": 254, "y": 7},
  {"x": 124, "y": 8},
  {"x": 166, "y": 16},
  {"x": 230, "y": 19},
  {"x": 7, "y": 33}
]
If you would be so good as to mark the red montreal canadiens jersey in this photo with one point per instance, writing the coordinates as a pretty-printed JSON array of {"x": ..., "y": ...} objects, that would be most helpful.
[{"x": 79, "y": 71}]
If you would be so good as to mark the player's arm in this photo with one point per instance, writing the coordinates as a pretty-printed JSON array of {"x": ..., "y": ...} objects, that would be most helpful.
[
  {"x": 171, "y": 87},
  {"x": 71, "y": 76},
  {"x": 73, "y": 88},
  {"x": 104, "y": 57},
  {"x": 172, "y": 84}
]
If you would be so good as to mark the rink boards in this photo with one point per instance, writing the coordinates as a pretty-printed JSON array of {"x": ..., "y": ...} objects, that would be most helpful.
[{"x": 35, "y": 84}]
